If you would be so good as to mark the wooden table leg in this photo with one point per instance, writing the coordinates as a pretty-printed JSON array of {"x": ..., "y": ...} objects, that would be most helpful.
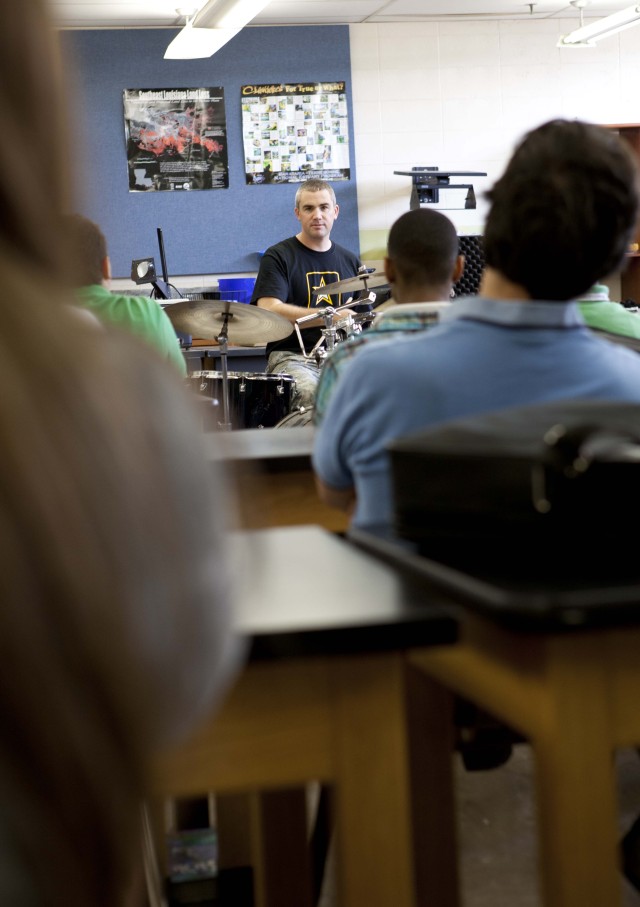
[
  {"x": 374, "y": 767},
  {"x": 575, "y": 697},
  {"x": 431, "y": 740},
  {"x": 374, "y": 728},
  {"x": 282, "y": 863},
  {"x": 575, "y": 778}
]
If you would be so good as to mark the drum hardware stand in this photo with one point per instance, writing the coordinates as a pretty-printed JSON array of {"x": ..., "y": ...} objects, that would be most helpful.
[
  {"x": 222, "y": 339},
  {"x": 331, "y": 327}
]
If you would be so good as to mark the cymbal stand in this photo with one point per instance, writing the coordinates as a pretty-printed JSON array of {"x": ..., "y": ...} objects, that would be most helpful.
[
  {"x": 222, "y": 339},
  {"x": 329, "y": 332}
]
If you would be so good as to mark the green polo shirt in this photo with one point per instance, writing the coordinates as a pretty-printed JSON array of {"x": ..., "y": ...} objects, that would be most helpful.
[
  {"x": 141, "y": 315},
  {"x": 601, "y": 313}
]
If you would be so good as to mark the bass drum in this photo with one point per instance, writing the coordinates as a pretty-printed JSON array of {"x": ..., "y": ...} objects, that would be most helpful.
[
  {"x": 301, "y": 416},
  {"x": 255, "y": 400}
]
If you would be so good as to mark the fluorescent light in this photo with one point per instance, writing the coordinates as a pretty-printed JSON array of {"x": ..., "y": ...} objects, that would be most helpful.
[
  {"x": 194, "y": 43},
  {"x": 587, "y": 35},
  {"x": 211, "y": 27},
  {"x": 228, "y": 13}
]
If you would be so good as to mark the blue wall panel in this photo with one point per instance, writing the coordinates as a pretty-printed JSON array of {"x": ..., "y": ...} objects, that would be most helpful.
[{"x": 211, "y": 231}]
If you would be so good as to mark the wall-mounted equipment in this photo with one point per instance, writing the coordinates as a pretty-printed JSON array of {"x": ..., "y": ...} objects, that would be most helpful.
[
  {"x": 143, "y": 270},
  {"x": 428, "y": 181}
]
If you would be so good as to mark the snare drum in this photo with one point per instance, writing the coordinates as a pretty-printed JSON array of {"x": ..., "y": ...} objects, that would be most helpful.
[{"x": 255, "y": 400}]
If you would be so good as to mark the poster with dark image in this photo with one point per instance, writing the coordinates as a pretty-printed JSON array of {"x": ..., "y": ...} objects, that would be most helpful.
[{"x": 176, "y": 139}]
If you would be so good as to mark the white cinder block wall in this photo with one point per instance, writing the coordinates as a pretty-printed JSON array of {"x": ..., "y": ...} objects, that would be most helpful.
[{"x": 458, "y": 95}]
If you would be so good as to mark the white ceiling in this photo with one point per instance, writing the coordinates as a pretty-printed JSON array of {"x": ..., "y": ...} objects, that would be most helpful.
[{"x": 163, "y": 13}]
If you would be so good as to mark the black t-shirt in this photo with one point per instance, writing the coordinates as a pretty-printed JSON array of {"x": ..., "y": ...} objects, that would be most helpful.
[{"x": 290, "y": 271}]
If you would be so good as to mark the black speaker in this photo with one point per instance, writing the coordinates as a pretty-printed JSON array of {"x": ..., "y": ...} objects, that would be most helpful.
[{"x": 469, "y": 283}]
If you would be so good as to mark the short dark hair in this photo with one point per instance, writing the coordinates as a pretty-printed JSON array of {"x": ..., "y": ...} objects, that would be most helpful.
[
  {"x": 565, "y": 210},
  {"x": 423, "y": 244},
  {"x": 87, "y": 249},
  {"x": 315, "y": 185}
]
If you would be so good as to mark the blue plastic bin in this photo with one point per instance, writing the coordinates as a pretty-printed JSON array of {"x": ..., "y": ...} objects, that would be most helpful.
[{"x": 238, "y": 289}]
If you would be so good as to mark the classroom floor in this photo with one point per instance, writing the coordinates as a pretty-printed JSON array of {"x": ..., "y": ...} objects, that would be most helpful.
[{"x": 497, "y": 832}]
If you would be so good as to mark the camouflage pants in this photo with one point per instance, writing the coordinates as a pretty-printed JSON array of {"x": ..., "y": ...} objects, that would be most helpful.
[{"x": 305, "y": 372}]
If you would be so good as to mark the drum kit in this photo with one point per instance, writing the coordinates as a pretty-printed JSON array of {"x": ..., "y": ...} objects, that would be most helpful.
[
  {"x": 253, "y": 400},
  {"x": 337, "y": 327}
]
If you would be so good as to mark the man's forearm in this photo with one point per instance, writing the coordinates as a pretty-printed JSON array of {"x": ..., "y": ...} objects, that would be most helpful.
[{"x": 288, "y": 311}]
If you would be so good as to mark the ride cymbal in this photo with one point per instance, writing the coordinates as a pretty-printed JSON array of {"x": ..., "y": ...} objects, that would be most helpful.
[{"x": 247, "y": 325}]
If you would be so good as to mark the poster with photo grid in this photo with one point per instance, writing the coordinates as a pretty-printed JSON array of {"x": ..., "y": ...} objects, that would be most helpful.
[{"x": 295, "y": 132}]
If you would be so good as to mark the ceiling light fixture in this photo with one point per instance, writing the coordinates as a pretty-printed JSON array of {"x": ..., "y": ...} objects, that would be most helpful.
[
  {"x": 193, "y": 43},
  {"x": 211, "y": 27},
  {"x": 587, "y": 35}
]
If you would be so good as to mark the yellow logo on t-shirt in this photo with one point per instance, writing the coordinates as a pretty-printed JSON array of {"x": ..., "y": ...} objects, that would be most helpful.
[{"x": 316, "y": 279}]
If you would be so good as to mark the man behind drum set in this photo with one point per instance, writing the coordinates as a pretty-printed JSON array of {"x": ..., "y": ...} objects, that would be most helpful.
[
  {"x": 422, "y": 264},
  {"x": 289, "y": 273}
]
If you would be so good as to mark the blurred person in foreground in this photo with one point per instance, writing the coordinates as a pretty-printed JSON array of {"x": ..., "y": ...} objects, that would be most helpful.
[{"x": 115, "y": 622}]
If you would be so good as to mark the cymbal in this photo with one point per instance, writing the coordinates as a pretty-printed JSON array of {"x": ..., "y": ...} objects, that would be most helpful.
[
  {"x": 246, "y": 324},
  {"x": 359, "y": 282}
]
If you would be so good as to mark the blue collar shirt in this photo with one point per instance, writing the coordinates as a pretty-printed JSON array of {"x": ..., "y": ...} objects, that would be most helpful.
[{"x": 484, "y": 355}]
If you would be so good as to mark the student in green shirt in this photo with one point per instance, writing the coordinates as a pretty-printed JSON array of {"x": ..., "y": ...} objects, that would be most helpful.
[
  {"x": 603, "y": 314},
  {"x": 140, "y": 315}
]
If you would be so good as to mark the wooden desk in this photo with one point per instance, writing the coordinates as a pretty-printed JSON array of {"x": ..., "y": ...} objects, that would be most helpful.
[
  {"x": 576, "y": 697},
  {"x": 274, "y": 478},
  {"x": 563, "y": 668},
  {"x": 328, "y": 695}
]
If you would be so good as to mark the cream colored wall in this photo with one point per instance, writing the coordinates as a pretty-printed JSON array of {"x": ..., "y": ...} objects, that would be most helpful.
[{"x": 458, "y": 95}]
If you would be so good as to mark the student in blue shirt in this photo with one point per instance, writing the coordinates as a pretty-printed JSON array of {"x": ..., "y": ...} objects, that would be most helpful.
[
  {"x": 422, "y": 264},
  {"x": 562, "y": 214}
]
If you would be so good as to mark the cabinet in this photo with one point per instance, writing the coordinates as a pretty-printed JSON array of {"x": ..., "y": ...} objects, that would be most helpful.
[{"x": 630, "y": 277}]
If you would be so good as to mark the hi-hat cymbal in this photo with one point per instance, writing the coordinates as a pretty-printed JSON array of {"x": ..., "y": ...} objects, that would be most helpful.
[
  {"x": 247, "y": 325},
  {"x": 352, "y": 284}
]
